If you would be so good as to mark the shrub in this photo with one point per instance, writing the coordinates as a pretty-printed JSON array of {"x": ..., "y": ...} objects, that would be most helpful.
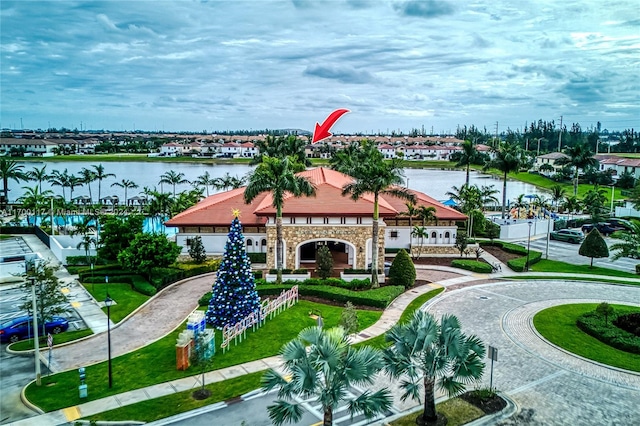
[
  {"x": 334, "y": 282},
  {"x": 392, "y": 250},
  {"x": 196, "y": 250},
  {"x": 284, "y": 271},
  {"x": 518, "y": 264},
  {"x": 402, "y": 271},
  {"x": 349, "y": 318},
  {"x": 376, "y": 298},
  {"x": 324, "y": 261},
  {"x": 82, "y": 260},
  {"x": 357, "y": 271},
  {"x": 204, "y": 300},
  {"x": 472, "y": 265},
  {"x": 312, "y": 281},
  {"x": 300, "y": 271},
  {"x": 257, "y": 274},
  {"x": 638, "y": 269},
  {"x": 257, "y": 257},
  {"x": 595, "y": 325},
  {"x": 364, "y": 284}
]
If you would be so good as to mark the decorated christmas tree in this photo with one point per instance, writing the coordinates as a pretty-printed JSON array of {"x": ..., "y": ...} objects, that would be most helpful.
[{"x": 234, "y": 293}]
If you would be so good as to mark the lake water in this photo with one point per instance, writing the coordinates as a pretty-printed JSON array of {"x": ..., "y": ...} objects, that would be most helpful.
[{"x": 432, "y": 182}]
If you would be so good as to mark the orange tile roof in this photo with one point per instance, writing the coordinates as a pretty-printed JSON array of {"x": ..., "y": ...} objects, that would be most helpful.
[{"x": 216, "y": 210}]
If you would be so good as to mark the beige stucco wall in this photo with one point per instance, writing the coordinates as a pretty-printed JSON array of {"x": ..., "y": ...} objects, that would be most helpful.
[{"x": 294, "y": 234}]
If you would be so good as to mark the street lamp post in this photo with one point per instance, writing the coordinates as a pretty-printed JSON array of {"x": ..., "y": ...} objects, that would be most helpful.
[
  {"x": 108, "y": 302},
  {"x": 36, "y": 342},
  {"x": 526, "y": 266},
  {"x": 612, "y": 195}
]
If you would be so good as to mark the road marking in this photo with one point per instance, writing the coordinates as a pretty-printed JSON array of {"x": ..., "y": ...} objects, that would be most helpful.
[
  {"x": 76, "y": 304},
  {"x": 65, "y": 290},
  {"x": 537, "y": 382},
  {"x": 71, "y": 413}
]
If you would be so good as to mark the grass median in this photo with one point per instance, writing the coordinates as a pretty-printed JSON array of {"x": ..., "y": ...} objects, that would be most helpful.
[
  {"x": 564, "y": 267},
  {"x": 558, "y": 325},
  {"x": 126, "y": 299},
  {"x": 156, "y": 362}
]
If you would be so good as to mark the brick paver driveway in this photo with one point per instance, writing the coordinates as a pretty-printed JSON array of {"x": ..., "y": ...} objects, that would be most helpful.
[{"x": 561, "y": 389}]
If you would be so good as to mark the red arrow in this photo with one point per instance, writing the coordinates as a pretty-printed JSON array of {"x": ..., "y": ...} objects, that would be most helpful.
[{"x": 322, "y": 130}]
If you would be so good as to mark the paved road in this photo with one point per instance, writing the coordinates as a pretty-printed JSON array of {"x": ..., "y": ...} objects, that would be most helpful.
[
  {"x": 561, "y": 389},
  {"x": 159, "y": 316},
  {"x": 15, "y": 372},
  {"x": 567, "y": 252}
]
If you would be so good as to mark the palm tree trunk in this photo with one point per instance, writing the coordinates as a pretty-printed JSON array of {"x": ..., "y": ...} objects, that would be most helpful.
[
  {"x": 467, "y": 181},
  {"x": 504, "y": 195},
  {"x": 279, "y": 248},
  {"x": 410, "y": 235},
  {"x": 575, "y": 183},
  {"x": 374, "y": 245},
  {"x": 328, "y": 417},
  {"x": 429, "y": 414}
]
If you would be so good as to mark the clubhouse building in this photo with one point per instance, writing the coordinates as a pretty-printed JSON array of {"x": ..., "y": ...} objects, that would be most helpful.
[{"x": 328, "y": 218}]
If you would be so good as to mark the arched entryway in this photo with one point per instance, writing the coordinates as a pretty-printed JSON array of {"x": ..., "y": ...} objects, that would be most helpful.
[{"x": 342, "y": 252}]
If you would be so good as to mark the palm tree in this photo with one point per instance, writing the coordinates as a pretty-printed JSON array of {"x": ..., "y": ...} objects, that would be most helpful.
[
  {"x": 508, "y": 158},
  {"x": 86, "y": 228},
  {"x": 520, "y": 203},
  {"x": 160, "y": 203},
  {"x": 322, "y": 364},
  {"x": 99, "y": 175},
  {"x": 468, "y": 156},
  {"x": 487, "y": 195},
  {"x": 557, "y": 194},
  {"x": 580, "y": 158},
  {"x": 229, "y": 182},
  {"x": 436, "y": 354},
  {"x": 38, "y": 175},
  {"x": 373, "y": 175},
  {"x": 33, "y": 200},
  {"x": 419, "y": 232},
  {"x": 75, "y": 181},
  {"x": 572, "y": 204},
  {"x": 87, "y": 176},
  {"x": 278, "y": 176},
  {"x": 281, "y": 147},
  {"x": 630, "y": 242},
  {"x": 412, "y": 210},
  {"x": 173, "y": 178},
  {"x": 126, "y": 184},
  {"x": 60, "y": 179},
  {"x": 10, "y": 169},
  {"x": 205, "y": 180}
]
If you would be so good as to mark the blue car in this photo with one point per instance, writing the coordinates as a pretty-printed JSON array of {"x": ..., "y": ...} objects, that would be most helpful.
[{"x": 22, "y": 328}]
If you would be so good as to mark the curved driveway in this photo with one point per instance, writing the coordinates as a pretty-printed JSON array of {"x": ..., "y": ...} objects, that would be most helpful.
[
  {"x": 560, "y": 388},
  {"x": 152, "y": 321}
]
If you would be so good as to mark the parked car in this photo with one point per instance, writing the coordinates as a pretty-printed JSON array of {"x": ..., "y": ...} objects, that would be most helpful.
[
  {"x": 387, "y": 266},
  {"x": 22, "y": 328},
  {"x": 622, "y": 224},
  {"x": 568, "y": 235},
  {"x": 605, "y": 228}
]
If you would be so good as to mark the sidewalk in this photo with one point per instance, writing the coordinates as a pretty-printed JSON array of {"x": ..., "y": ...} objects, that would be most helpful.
[{"x": 388, "y": 319}]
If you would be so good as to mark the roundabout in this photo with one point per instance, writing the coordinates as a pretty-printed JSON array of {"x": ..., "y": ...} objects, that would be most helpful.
[{"x": 558, "y": 387}]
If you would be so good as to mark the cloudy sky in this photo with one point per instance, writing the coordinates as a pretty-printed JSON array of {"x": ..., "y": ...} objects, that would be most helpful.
[{"x": 219, "y": 65}]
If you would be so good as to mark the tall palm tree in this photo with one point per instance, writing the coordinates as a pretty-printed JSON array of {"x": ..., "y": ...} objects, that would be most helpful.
[
  {"x": 421, "y": 233},
  {"x": 33, "y": 200},
  {"x": 39, "y": 175},
  {"x": 629, "y": 245},
  {"x": 281, "y": 147},
  {"x": 99, "y": 175},
  {"x": 468, "y": 156},
  {"x": 75, "y": 181},
  {"x": 557, "y": 194},
  {"x": 56, "y": 178},
  {"x": 278, "y": 177},
  {"x": 373, "y": 175},
  {"x": 173, "y": 178},
  {"x": 160, "y": 203},
  {"x": 435, "y": 355},
  {"x": 229, "y": 182},
  {"x": 86, "y": 177},
  {"x": 411, "y": 212},
  {"x": 508, "y": 158},
  {"x": 323, "y": 365},
  {"x": 205, "y": 180},
  {"x": 86, "y": 228},
  {"x": 520, "y": 203},
  {"x": 572, "y": 204},
  {"x": 580, "y": 158},
  {"x": 126, "y": 184},
  {"x": 488, "y": 195},
  {"x": 10, "y": 169}
]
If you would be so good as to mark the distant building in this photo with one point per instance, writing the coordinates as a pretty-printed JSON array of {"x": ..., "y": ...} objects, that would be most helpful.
[{"x": 549, "y": 159}]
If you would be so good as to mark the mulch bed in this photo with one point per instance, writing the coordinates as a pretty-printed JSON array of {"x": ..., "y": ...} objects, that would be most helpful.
[
  {"x": 489, "y": 405},
  {"x": 500, "y": 254}
]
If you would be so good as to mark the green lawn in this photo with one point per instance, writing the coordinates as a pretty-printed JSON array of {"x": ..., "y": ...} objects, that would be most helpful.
[
  {"x": 159, "y": 408},
  {"x": 458, "y": 412},
  {"x": 565, "y": 278},
  {"x": 156, "y": 363},
  {"x": 67, "y": 336},
  {"x": 378, "y": 341},
  {"x": 558, "y": 325},
  {"x": 127, "y": 300},
  {"x": 557, "y": 266}
]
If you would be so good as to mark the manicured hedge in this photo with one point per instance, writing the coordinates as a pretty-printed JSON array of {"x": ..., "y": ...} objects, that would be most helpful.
[
  {"x": 376, "y": 298},
  {"x": 82, "y": 261},
  {"x": 595, "y": 326},
  {"x": 472, "y": 265},
  {"x": 257, "y": 257},
  {"x": 638, "y": 269}
]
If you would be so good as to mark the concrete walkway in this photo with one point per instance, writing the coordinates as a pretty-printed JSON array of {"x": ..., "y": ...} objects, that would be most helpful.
[{"x": 388, "y": 319}]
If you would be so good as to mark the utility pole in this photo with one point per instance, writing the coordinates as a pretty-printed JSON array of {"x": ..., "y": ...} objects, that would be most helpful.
[{"x": 560, "y": 137}]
